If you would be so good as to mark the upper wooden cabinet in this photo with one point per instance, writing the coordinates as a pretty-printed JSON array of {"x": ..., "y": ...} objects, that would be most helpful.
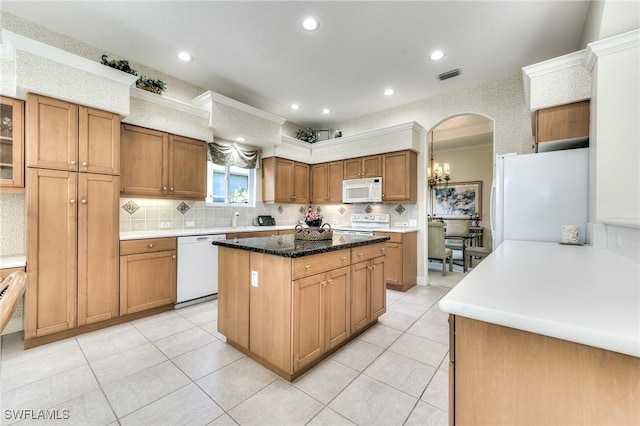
[
  {"x": 400, "y": 177},
  {"x": 563, "y": 122},
  {"x": 326, "y": 182},
  {"x": 65, "y": 136},
  {"x": 156, "y": 164},
  {"x": 11, "y": 143},
  {"x": 363, "y": 167},
  {"x": 285, "y": 181}
]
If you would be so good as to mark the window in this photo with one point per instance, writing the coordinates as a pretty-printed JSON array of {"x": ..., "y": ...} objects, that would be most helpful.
[{"x": 230, "y": 185}]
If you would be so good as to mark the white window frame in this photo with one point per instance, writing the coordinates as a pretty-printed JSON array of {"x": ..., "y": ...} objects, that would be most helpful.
[{"x": 251, "y": 190}]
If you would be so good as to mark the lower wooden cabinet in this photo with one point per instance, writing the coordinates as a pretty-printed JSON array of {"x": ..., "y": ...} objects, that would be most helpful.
[
  {"x": 401, "y": 266},
  {"x": 147, "y": 274},
  {"x": 321, "y": 311},
  {"x": 368, "y": 292}
]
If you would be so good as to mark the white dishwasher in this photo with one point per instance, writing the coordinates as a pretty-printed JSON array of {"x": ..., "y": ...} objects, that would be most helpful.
[{"x": 197, "y": 269}]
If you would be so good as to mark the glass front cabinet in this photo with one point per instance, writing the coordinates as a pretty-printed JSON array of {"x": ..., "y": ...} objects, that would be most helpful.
[{"x": 11, "y": 144}]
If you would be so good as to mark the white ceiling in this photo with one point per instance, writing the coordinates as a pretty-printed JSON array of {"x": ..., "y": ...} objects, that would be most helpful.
[{"x": 257, "y": 53}]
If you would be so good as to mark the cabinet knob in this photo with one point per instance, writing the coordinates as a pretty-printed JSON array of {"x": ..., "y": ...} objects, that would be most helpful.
[
  {"x": 330, "y": 281},
  {"x": 344, "y": 258},
  {"x": 171, "y": 189},
  {"x": 150, "y": 245},
  {"x": 373, "y": 266},
  {"x": 307, "y": 267},
  {"x": 323, "y": 282},
  {"x": 72, "y": 162},
  {"x": 164, "y": 188},
  {"x": 84, "y": 163},
  {"x": 173, "y": 257},
  {"x": 83, "y": 201},
  {"x": 360, "y": 254},
  {"x": 72, "y": 201},
  {"x": 382, "y": 249},
  {"x": 369, "y": 267}
]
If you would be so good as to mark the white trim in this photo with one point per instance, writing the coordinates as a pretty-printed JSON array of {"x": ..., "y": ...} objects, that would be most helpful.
[
  {"x": 369, "y": 134},
  {"x": 293, "y": 141},
  {"x": 13, "y": 41},
  {"x": 208, "y": 97},
  {"x": 609, "y": 45},
  {"x": 623, "y": 223},
  {"x": 169, "y": 103}
]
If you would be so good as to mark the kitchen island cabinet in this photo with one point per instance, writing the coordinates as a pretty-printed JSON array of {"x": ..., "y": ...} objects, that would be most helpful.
[
  {"x": 543, "y": 333},
  {"x": 288, "y": 303}
]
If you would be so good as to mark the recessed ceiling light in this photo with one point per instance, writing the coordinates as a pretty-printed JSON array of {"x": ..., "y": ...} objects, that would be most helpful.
[
  {"x": 184, "y": 56},
  {"x": 240, "y": 139},
  {"x": 295, "y": 106},
  {"x": 310, "y": 24},
  {"x": 389, "y": 92},
  {"x": 326, "y": 111},
  {"x": 436, "y": 55}
]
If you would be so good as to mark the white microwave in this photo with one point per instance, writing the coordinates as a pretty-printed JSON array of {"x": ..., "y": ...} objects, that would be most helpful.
[{"x": 367, "y": 190}]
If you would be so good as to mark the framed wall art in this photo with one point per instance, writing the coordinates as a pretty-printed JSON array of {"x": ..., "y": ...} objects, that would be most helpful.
[{"x": 457, "y": 199}]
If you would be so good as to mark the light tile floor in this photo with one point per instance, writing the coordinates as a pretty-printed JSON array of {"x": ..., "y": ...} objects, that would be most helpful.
[{"x": 175, "y": 368}]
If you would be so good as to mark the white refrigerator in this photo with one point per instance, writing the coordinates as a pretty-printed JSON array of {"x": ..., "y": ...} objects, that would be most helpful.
[{"x": 534, "y": 195}]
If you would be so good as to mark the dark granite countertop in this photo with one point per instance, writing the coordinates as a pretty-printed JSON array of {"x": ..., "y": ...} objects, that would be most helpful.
[{"x": 287, "y": 246}]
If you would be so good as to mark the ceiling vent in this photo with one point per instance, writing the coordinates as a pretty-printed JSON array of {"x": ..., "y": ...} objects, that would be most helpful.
[{"x": 449, "y": 74}]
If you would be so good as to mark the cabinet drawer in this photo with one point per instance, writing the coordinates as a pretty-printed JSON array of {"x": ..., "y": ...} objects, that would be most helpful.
[
  {"x": 149, "y": 245},
  {"x": 395, "y": 236},
  {"x": 367, "y": 252},
  {"x": 310, "y": 265}
]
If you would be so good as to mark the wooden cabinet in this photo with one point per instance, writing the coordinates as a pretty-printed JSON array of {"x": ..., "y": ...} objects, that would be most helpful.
[
  {"x": 147, "y": 274},
  {"x": 65, "y": 136},
  {"x": 504, "y": 376},
  {"x": 363, "y": 167},
  {"x": 401, "y": 263},
  {"x": 368, "y": 290},
  {"x": 157, "y": 164},
  {"x": 11, "y": 145},
  {"x": 321, "y": 311},
  {"x": 563, "y": 122},
  {"x": 250, "y": 234},
  {"x": 72, "y": 250},
  {"x": 400, "y": 177},
  {"x": 326, "y": 182},
  {"x": 285, "y": 181}
]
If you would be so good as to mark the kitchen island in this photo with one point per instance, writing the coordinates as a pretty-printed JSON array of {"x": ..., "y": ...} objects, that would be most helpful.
[
  {"x": 543, "y": 333},
  {"x": 290, "y": 303}
]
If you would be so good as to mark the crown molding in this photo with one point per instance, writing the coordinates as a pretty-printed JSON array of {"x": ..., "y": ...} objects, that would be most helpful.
[
  {"x": 208, "y": 97},
  {"x": 413, "y": 126},
  {"x": 609, "y": 45},
  {"x": 12, "y": 42},
  {"x": 169, "y": 103}
]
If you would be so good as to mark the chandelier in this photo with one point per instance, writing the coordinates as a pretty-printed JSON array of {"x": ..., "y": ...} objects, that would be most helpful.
[{"x": 436, "y": 174}]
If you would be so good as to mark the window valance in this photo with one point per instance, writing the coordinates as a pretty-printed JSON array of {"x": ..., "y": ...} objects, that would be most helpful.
[{"x": 232, "y": 154}]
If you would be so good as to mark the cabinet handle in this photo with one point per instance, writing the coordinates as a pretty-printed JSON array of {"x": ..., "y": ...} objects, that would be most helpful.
[
  {"x": 344, "y": 258},
  {"x": 72, "y": 201},
  {"x": 171, "y": 189},
  {"x": 307, "y": 267},
  {"x": 373, "y": 266},
  {"x": 323, "y": 282},
  {"x": 360, "y": 254},
  {"x": 330, "y": 281},
  {"x": 369, "y": 267},
  {"x": 164, "y": 188},
  {"x": 150, "y": 245},
  {"x": 173, "y": 257},
  {"x": 83, "y": 201},
  {"x": 84, "y": 163},
  {"x": 382, "y": 249},
  {"x": 72, "y": 162}
]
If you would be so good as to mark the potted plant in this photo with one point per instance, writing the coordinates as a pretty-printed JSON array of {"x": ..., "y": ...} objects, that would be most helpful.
[
  {"x": 307, "y": 135},
  {"x": 119, "y": 64},
  {"x": 151, "y": 85}
]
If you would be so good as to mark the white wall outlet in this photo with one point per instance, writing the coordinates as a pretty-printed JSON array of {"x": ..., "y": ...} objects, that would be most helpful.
[
  {"x": 254, "y": 278},
  {"x": 190, "y": 224},
  {"x": 165, "y": 224}
]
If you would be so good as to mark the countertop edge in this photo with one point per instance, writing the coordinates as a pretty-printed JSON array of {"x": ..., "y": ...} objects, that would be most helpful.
[{"x": 13, "y": 261}]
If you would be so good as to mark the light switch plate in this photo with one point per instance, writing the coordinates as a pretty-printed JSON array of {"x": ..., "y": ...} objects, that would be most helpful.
[{"x": 254, "y": 278}]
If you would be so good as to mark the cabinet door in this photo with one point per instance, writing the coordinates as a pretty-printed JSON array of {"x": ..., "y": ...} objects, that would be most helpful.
[
  {"x": 334, "y": 192},
  {"x": 301, "y": 183},
  {"x": 360, "y": 301},
  {"x": 147, "y": 280},
  {"x": 11, "y": 143},
  {"x": 308, "y": 324},
  {"x": 378, "y": 289},
  {"x": 393, "y": 264},
  {"x": 563, "y": 122},
  {"x": 98, "y": 240},
  {"x": 50, "y": 304},
  {"x": 187, "y": 168},
  {"x": 283, "y": 181},
  {"x": 234, "y": 295},
  {"x": 371, "y": 166},
  {"x": 98, "y": 142},
  {"x": 352, "y": 168},
  {"x": 52, "y": 133},
  {"x": 319, "y": 183},
  {"x": 399, "y": 176},
  {"x": 337, "y": 307},
  {"x": 144, "y": 158}
]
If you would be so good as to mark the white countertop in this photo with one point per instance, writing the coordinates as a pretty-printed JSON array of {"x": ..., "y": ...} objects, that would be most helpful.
[
  {"x": 18, "y": 261},
  {"x": 575, "y": 293},
  {"x": 160, "y": 233}
]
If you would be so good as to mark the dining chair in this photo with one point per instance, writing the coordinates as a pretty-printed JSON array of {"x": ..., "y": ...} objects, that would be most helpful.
[
  {"x": 474, "y": 251},
  {"x": 436, "y": 247},
  {"x": 11, "y": 290},
  {"x": 457, "y": 237}
]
